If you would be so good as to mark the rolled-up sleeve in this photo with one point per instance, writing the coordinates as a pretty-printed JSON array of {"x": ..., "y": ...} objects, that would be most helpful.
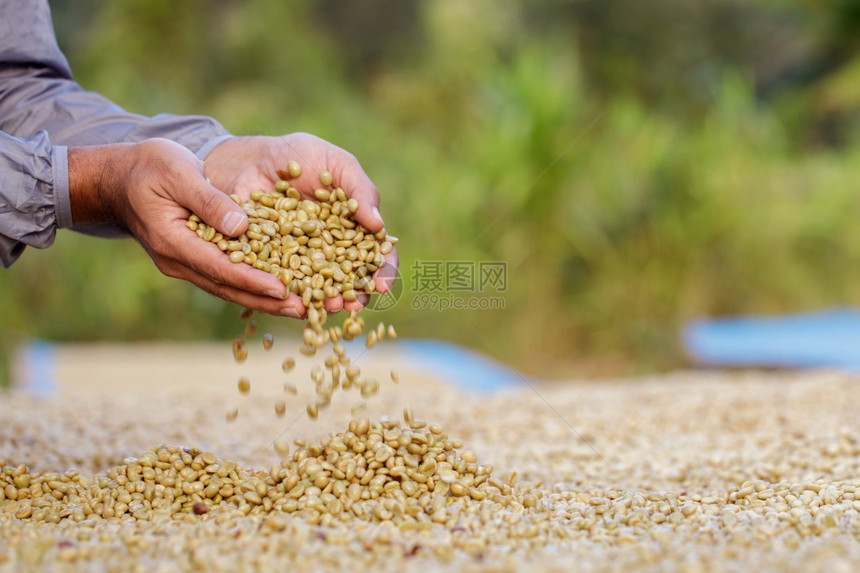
[
  {"x": 43, "y": 111},
  {"x": 73, "y": 116},
  {"x": 34, "y": 194}
]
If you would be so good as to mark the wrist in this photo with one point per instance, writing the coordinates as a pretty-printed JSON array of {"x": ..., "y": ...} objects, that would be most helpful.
[{"x": 96, "y": 181}]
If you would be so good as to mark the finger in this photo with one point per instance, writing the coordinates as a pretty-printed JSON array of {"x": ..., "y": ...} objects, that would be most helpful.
[
  {"x": 368, "y": 213},
  {"x": 296, "y": 307},
  {"x": 356, "y": 184},
  {"x": 333, "y": 304},
  {"x": 214, "y": 207},
  {"x": 357, "y": 304},
  {"x": 302, "y": 309},
  {"x": 384, "y": 278}
]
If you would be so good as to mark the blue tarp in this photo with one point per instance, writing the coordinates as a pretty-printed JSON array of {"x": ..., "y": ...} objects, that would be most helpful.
[
  {"x": 39, "y": 362},
  {"x": 455, "y": 364},
  {"x": 829, "y": 338},
  {"x": 465, "y": 368}
]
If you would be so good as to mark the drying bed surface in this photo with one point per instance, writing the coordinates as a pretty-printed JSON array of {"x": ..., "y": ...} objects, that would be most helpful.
[{"x": 687, "y": 472}]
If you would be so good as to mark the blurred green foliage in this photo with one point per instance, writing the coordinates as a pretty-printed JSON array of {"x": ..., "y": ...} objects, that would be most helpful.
[{"x": 635, "y": 164}]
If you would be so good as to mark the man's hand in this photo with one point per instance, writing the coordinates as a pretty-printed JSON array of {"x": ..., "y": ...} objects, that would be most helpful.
[
  {"x": 151, "y": 188},
  {"x": 242, "y": 164}
]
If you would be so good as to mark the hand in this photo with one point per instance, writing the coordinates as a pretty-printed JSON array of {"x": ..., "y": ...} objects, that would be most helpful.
[
  {"x": 242, "y": 164},
  {"x": 151, "y": 188}
]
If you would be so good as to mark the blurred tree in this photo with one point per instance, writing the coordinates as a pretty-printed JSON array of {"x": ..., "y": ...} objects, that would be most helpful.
[
  {"x": 371, "y": 34},
  {"x": 636, "y": 164}
]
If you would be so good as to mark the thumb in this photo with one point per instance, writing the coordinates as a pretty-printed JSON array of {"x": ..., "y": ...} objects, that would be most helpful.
[
  {"x": 362, "y": 189},
  {"x": 216, "y": 209}
]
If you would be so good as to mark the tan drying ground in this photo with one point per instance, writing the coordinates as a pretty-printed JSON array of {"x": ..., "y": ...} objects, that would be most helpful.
[{"x": 683, "y": 472}]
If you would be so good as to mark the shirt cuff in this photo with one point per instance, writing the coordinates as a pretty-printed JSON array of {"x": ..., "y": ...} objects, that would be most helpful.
[{"x": 60, "y": 173}]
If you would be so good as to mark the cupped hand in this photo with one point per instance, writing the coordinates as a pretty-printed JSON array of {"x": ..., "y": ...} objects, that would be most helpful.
[
  {"x": 151, "y": 188},
  {"x": 243, "y": 164}
]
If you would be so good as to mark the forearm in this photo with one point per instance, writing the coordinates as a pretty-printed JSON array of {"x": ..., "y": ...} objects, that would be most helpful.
[{"x": 95, "y": 176}]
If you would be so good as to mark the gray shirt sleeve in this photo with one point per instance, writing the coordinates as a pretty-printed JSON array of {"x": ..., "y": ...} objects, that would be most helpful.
[
  {"x": 43, "y": 111},
  {"x": 33, "y": 180}
]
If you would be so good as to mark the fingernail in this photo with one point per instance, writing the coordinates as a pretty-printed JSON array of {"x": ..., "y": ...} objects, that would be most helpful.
[
  {"x": 290, "y": 311},
  {"x": 376, "y": 213},
  {"x": 274, "y": 293},
  {"x": 232, "y": 222}
]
